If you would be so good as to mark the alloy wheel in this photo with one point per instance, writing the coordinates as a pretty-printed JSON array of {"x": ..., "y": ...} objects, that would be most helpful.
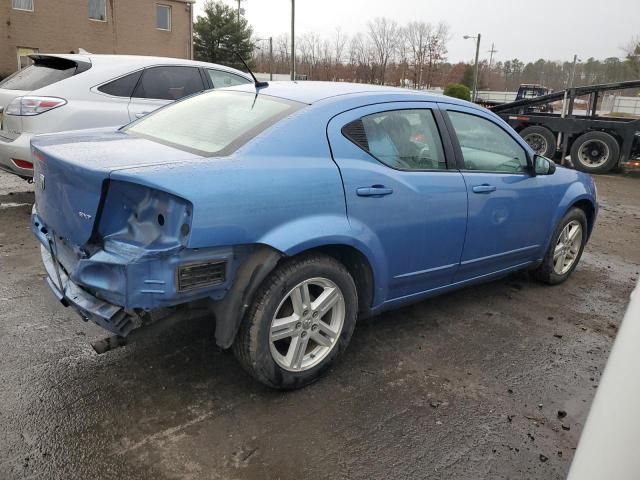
[
  {"x": 307, "y": 324},
  {"x": 567, "y": 247}
]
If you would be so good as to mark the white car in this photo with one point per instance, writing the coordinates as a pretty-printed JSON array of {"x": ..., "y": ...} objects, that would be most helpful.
[{"x": 72, "y": 92}]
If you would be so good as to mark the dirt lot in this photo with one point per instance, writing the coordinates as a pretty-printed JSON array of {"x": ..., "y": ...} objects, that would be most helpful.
[{"x": 467, "y": 385}]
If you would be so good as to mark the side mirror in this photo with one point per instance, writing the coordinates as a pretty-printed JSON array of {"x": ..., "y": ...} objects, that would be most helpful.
[{"x": 543, "y": 166}]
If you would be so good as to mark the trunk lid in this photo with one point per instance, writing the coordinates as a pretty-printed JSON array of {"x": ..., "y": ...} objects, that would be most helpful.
[{"x": 71, "y": 173}]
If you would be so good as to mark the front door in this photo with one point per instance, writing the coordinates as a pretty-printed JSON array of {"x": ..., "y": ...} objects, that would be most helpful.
[
  {"x": 509, "y": 209},
  {"x": 402, "y": 194}
]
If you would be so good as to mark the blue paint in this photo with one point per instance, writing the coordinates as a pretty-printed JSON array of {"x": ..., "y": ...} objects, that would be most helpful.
[{"x": 297, "y": 185}]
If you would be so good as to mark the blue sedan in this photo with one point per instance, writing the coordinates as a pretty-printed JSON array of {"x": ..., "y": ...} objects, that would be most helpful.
[{"x": 291, "y": 210}]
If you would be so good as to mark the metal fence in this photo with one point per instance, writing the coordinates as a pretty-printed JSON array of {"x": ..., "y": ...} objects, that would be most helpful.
[{"x": 619, "y": 104}]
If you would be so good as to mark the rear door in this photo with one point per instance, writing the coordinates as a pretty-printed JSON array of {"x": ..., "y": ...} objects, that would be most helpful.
[
  {"x": 509, "y": 209},
  {"x": 403, "y": 192},
  {"x": 162, "y": 85}
]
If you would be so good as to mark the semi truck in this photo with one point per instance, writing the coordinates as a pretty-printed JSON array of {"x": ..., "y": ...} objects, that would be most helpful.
[{"x": 594, "y": 142}]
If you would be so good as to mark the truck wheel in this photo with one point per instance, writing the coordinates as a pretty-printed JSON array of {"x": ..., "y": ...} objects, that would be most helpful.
[
  {"x": 299, "y": 322},
  {"x": 540, "y": 139},
  {"x": 595, "y": 152},
  {"x": 565, "y": 248}
]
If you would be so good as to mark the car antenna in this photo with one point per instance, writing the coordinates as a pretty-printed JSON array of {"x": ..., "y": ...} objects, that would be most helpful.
[{"x": 256, "y": 82}]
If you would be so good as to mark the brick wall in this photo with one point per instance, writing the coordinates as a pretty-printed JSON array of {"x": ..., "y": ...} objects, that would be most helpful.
[{"x": 62, "y": 26}]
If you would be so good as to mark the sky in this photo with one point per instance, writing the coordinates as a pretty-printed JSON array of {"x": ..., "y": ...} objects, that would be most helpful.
[{"x": 524, "y": 29}]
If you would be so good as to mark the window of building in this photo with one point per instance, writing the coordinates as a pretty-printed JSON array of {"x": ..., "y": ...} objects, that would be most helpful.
[
  {"x": 222, "y": 79},
  {"x": 22, "y": 5},
  {"x": 401, "y": 139},
  {"x": 98, "y": 10},
  {"x": 163, "y": 17},
  {"x": 487, "y": 147}
]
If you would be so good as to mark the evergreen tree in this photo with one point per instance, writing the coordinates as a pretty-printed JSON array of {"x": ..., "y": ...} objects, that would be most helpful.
[{"x": 218, "y": 33}]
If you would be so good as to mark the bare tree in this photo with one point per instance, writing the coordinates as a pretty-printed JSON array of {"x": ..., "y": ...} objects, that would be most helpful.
[
  {"x": 402, "y": 54},
  {"x": 384, "y": 34},
  {"x": 282, "y": 47},
  {"x": 360, "y": 57},
  {"x": 436, "y": 49},
  {"x": 418, "y": 35},
  {"x": 339, "y": 44}
]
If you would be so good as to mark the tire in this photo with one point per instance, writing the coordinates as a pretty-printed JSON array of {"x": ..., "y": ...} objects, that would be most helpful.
[
  {"x": 600, "y": 158},
  {"x": 541, "y": 139},
  {"x": 548, "y": 271},
  {"x": 273, "y": 362}
]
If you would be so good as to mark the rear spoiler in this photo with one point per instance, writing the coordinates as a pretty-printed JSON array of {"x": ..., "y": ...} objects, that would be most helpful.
[{"x": 60, "y": 62}]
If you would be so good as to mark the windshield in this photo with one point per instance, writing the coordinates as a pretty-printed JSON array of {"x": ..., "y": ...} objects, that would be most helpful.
[
  {"x": 38, "y": 76},
  {"x": 213, "y": 123}
]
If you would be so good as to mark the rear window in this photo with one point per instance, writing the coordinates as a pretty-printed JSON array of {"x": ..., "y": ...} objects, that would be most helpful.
[
  {"x": 123, "y": 86},
  {"x": 40, "y": 75},
  {"x": 213, "y": 123}
]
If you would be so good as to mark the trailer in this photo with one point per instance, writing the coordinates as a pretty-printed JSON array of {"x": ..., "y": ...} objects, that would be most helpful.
[{"x": 594, "y": 142}]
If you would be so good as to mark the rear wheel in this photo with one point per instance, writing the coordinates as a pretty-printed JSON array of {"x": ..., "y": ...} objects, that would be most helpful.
[
  {"x": 300, "y": 321},
  {"x": 540, "y": 139},
  {"x": 595, "y": 152},
  {"x": 565, "y": 249}
]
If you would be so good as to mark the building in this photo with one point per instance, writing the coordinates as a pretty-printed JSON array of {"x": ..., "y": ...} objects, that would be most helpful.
[{"x": 144, "y": 27}]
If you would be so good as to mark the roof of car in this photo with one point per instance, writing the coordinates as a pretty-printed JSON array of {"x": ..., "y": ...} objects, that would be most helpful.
[
  {"x": 310, "y": 92},
  {"x": 136, "y": 61}
]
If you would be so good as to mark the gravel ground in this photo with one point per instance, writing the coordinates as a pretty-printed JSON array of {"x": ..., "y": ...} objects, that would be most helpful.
[{"x": 467, "y": 385}]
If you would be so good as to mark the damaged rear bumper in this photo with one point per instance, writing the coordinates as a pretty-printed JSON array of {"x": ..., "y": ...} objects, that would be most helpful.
[
  {"x": 110, "y": 317},
  {"x": 117, "y": 290}
]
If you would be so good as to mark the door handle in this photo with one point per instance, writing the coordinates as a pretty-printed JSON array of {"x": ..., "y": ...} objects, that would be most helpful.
[
  {"x": 484, "y": 188},
  {"x": 142, "y": 114},
  {"x": 374, "y": 191}
]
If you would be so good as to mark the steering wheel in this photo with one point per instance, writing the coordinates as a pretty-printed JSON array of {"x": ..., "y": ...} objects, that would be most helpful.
[{"x": 425, "y": 158}]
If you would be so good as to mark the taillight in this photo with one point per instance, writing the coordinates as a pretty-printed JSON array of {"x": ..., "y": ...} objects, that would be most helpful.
[
  {"x": 22, "y": 163},
  {"x": 29, "y": 106}
]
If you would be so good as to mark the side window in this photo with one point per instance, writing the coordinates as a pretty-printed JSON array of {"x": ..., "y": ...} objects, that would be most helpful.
[
  {"x": 401, "y": 139},
  {"x": 22, "y": 5},
  {"x": 123, "y": 86},
  {"x": 222, "y": 79},
  {"x": 487, "y": 147},
  {"x": 169, "y": 83},
  {"x": 98, "y": 10},
  {"x": 163, "y": 17}
]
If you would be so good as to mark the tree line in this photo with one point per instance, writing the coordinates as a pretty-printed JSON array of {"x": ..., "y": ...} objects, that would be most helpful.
[{"x": 412, "y": 55}]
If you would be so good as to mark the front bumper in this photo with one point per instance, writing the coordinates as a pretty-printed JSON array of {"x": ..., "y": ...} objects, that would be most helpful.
[
  {"x": 116, "y": 290},
  {"x": 20, "y": 148}
]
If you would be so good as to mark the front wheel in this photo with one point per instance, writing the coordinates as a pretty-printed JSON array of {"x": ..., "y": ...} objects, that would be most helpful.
[
  {"x": 565, "y": 248},
  {"x": 300, "y": 321}
]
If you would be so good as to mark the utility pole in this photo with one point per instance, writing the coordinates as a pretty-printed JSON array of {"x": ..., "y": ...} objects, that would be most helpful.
[
  {"x": 239, "y": 1},
  {"x": 573, "y": 70},
  {"x": 475, "y": 75},
  {"x": 270, "y": 58},
  {"x": 492, "y": 51},
  {"x": 293, "y": 40}
]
